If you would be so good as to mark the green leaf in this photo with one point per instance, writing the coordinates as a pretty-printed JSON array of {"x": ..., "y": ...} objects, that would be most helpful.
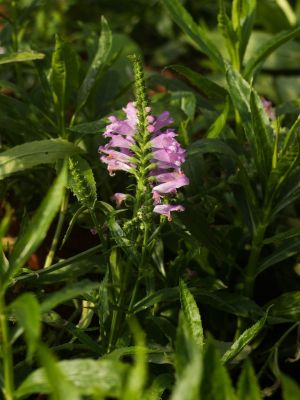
[
  {"x": 188, "y": 364},
  {"x": 198, "y": 35},
  {"x": 285, "y": 308},
  {"x": 138, "y": 372},
  {"x": 243, "y": 17},
  {"x": 262, "y": 131},
  {"x": 216, "y": 384},
  {"x": 288, "y": 249},
  {"x": 86, "y": 375},
  {"x": 217, "y": 127},
  {"x": 67, "y": 293},
  {"x": 21, "y": 56},
  {"x": 158, "y": 386},
  {"x": 265, "y": 50},
  {"x": 192, "y": 315},
  {"x": 30, "y": 154},
  {"x": 245, "y": 338},
  {"x": 64, "y": 76},
  {"x": 211, "y": 89},
  {"x": 97, "y": 66},
  {"x": 82, "y": 182},
  {"x": 27, "y": 312},
  {"x": 72, "y": 224},
  {"x": 187, "y": 386},
  {"x": 248, "y": 388},
  {"x": 37, "y": 229},
  {"x": 290, "y": 388},
  {"x": 94, "y": 127}
]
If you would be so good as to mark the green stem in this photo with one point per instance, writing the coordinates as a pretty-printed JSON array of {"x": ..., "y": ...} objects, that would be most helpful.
[
  {"x": 250, "y": 272},
  {"x": 8, "y": 389},
  {"x": 61, "y": 219}
]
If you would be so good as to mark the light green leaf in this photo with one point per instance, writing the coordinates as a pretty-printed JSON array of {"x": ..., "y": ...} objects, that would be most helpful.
[
  {"x": 246, "y": 337},
  {"x": 216, "y": 384},
  {"x": 192, "y": 315},
  {"x": 97, "y": 66},
  {"x": 266, "y": 49},
  {"x": 158, "y": 386},
  {"x": 198, "y": 35},
  {"x": 27, "y": 312},
  {"x": 82, "y": 182},
  {"x": 86, "y": 375},
  {"x": 21, "y": 56},
  {"x": 30, "y": 154},
  {"x": 37, "y": 229},
  {"x": 188, "y": 364},
  {"x": 248, "y": 388},
  {"x": 67, "y": 293},
  {"x": 217, "y": 127},
  {"x": 243, "y": 17},
  {"x": 138, "y": 372},
  {"x": 290, "y": 388}
]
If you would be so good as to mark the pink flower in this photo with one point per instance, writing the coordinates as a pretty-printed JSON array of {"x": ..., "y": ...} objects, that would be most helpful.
[
  {"x": 171, "y": 182},
  {"x": 122, "y": 153},
  {"x": 119, "y": 198},
  {"x": 166, "y": 209}
]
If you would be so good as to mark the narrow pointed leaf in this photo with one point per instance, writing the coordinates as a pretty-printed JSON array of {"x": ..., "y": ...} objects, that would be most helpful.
[
  {"x": 37, "y": 229},
  {"x": 265, "y": 50},
  {"x": 20, "y": 57},
  {"x": 248, "y": 388},
  {"x": 31, "y": 154},
  {"x": 198, "y": 35},
  {"x": 192, "y": 315},
  {"x": 246, "y": 337},
  {"x": 97, "y": 65}
]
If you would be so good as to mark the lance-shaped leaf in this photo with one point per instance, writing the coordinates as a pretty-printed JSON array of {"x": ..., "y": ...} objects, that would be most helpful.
[
  {"x": 31, "y": 154},
  {"x": 266, "y": 49},
  {"x": 192, "y": 315},
  {"x": 246, "y": 337},
  {"x": 198, "y": 35},
  {"x": 36, "y": 230},
  {"x": 26, "y": 309},
  {"x": 98, "y": 64},
  {"x": 20, "y": 57},
  {"x": 248, "y": 388}
]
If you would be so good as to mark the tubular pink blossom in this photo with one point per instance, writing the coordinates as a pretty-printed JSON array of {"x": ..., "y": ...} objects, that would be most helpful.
[
  {"x": 166, "y": 209},
  {"x": 119, "y": 198}
]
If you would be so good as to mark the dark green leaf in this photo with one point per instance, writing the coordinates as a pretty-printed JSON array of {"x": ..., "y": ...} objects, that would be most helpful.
[
  {"x": 67, "y": 293},
  {"x": 218, "y": 126},
  {"x": 198, "y": 35},
  {"x": 97, "y": 65},
  {"x": 266, "y": 49},
  {"x": 158, "y": 386},
  {"x": 211, "y": 89},
  {"x": 285, "y": 308},
  {"x": 64, "y": 76},
  {"x": 290, "y": 388},
  {"x": 30, "y": 154}
]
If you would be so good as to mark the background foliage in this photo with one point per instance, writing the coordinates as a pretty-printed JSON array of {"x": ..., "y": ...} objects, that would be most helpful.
[{"x": 215, "y": 313}]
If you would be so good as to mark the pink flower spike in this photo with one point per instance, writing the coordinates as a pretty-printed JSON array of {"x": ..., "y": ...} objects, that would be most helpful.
[
  {"x": 150, "y": 128},
  {"x": 119, "y": 198},
  {"x": 175, "y": 181},
  {"x": 166, "y": 209}
]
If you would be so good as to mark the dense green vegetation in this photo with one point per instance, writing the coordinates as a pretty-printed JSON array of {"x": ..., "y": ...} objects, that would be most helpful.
[{"x": 136, "y": 264}]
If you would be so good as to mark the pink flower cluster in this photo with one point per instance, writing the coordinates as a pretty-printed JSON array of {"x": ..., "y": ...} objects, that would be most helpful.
[{"x": 167, "y": 154}]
